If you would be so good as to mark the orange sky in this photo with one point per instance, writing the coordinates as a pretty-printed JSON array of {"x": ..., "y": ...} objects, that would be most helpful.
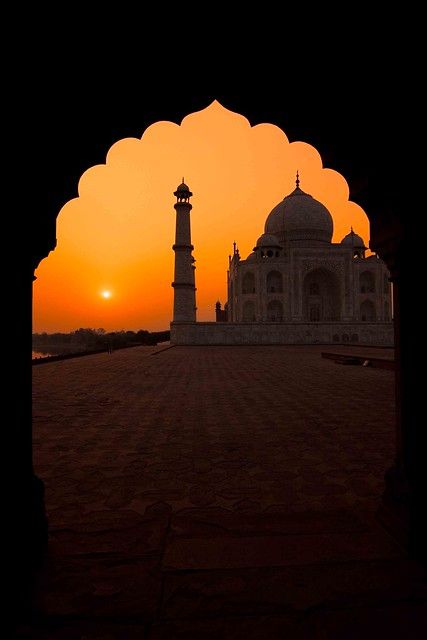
[{"x": 117, "y": 235}]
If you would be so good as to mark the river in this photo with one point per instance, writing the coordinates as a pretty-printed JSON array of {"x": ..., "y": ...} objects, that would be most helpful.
[{"x": 41, "y": 352}]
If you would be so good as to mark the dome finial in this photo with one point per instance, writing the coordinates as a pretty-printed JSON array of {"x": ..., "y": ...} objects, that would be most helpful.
[
  {"x": 183, "y": 181},
  {"x": 297, "y": 180},
  {"x": 351, "y": 229}
]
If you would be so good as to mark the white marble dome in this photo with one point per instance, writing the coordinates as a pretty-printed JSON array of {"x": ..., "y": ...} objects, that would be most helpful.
[{"x": 300, "y": 217}]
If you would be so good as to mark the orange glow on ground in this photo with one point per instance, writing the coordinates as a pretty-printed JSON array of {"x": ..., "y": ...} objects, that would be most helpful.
[{"x": 120, "y": 229}]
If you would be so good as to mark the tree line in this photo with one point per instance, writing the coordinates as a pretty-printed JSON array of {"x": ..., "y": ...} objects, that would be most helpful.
[{"x": 88, "y": 339}]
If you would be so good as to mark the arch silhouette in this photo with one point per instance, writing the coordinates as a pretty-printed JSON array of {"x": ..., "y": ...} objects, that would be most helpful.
[{"x": 104, "y": 119}]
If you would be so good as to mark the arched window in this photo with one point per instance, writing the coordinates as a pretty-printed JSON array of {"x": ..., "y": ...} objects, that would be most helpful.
[
  {"x": 274, "y": 282},
  {"x": 248, "y": 283},
  {"x": 274, "y": 311},
  {"x": 367, "y": 282},
  {"x": 249, "y": 311},
  {"x": 314, "y": 289},
  {"x": 367, "y": 311}
]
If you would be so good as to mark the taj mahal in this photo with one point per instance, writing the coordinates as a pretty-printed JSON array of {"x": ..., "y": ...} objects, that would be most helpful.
[{"x": 296, "y": 287}]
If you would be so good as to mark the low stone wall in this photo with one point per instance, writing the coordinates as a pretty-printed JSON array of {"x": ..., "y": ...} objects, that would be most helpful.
[{"x": 211, "y": 333}]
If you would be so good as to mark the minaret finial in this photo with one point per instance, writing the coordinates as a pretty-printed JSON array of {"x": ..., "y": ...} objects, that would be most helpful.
[
  {"x": 351, "y": 228},
  {"x": 297, "y": 180}
]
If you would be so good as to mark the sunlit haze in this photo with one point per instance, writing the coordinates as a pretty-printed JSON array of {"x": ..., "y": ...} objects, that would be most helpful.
[{"x": 113, "y": 265}]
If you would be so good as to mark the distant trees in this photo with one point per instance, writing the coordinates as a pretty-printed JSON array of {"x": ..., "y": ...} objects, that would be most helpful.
[{"x": 90, "y": 339}]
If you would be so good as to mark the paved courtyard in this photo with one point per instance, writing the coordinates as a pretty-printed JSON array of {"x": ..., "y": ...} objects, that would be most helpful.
[{"x": 217, "y": 492}]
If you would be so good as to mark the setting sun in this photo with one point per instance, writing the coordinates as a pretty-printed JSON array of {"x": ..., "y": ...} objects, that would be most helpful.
[{"x": 121, "y": 226}]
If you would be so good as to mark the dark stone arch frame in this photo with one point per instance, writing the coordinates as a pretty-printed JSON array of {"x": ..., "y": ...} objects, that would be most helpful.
[{"x": 86, "y": 134}]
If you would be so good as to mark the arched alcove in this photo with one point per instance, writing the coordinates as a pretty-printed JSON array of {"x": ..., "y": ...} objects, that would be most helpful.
[
  {"x": 275, "y": 311},
  {"x": 274, "y": 282},
  {"x": 321, "y": 296},
  {"x": 248, "y": 311}
]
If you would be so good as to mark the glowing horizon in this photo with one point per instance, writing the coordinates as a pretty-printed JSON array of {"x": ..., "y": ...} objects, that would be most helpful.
[{"x": 113, "y": 265}]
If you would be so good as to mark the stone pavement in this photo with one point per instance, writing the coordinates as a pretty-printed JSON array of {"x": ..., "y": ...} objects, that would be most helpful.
[{"x": 218, "y": 492}]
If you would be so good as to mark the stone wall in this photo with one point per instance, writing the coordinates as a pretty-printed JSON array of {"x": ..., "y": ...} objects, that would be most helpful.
[{"x": 211, "y": 333}]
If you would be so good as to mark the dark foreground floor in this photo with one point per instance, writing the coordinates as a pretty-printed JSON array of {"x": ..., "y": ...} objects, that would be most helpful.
[{"x": 218, "y": 493}]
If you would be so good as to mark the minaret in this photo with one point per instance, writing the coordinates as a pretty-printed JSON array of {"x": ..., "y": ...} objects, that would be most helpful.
[{"x": 184, "y": 304}]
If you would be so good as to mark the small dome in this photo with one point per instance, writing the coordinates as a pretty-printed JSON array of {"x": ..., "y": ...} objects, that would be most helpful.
[
  {"x": 183, "y": 187},
  {"x": 267, "y": 240},
  {"x": 251, "y": 257},
  {"x": 300, "y": 217},
  {"x": 353, "y": 240}
]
